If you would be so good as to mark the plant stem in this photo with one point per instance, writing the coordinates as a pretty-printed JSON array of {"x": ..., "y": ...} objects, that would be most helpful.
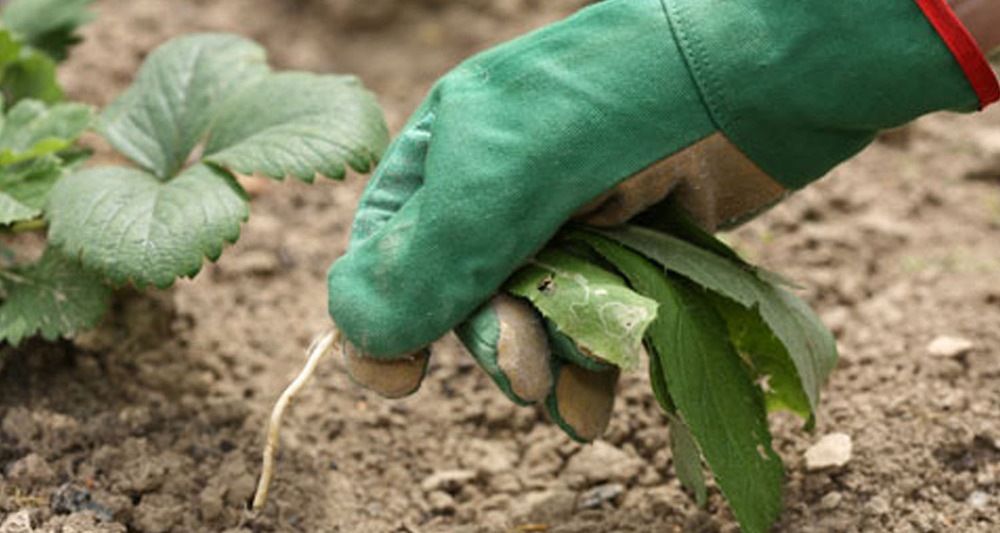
[
  {"x": 317, "y": 350},
  {"x": 27, "y": 225}
]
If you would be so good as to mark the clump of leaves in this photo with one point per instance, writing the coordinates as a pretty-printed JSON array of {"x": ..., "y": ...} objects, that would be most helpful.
[
  {"x": 203, "y": 108},
  {"x": 729, "y": 343}
]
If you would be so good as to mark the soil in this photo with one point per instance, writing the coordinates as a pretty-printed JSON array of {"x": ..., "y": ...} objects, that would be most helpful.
[{"x": 153, "y": 423}]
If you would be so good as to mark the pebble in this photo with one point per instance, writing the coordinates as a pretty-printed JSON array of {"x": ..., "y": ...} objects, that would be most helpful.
[
  {"x": 598, "y": 495},
  {"x": 441, "y": 502},
  {"x": 945, "y": 346},
  {"x": 603, "y": 462},
  {"x": 447, "y": 480},
  {"x": 19, "y": 522},
  {"x": 978, "y": 499},
  {"x": 832, "y": 451},
  {"x": 544, "y": 507},
  {"x": 831, "y": 501}
]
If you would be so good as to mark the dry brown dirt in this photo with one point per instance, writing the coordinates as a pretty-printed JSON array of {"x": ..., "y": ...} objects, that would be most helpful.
[{"x": 153, "y": 423}]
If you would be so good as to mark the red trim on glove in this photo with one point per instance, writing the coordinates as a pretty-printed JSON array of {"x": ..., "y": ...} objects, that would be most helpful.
[{"x": 964, "y": 48}]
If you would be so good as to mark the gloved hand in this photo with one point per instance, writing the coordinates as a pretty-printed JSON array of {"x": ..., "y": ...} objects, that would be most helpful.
[{"x": 723, "y": 105}]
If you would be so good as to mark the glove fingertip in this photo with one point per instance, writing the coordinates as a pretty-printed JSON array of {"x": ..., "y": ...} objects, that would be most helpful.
[
  {"x": 582, "y": 400},
  {"x": 390, "y": 378}
]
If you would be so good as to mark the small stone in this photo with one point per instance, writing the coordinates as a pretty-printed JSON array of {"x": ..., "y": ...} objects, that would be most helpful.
[
  {"x": 945, "y": 346},
  {"x": 603, "y": 462},
  {"x": 978, "y": 499},
  {"x": 441, "y": 502},
  {"x": 544, "y": 507},
  {"x": 447, "y": 480},
  {"x": 31, "y": 471},
  {"x": 598, "y": 495},
  {"x": 831, "y": 501},
  {"x": 832, "y": 451},
  {"x": 19, "y": 522}
]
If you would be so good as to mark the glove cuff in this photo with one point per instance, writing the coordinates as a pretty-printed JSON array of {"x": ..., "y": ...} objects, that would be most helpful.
[
  {"x": 801, "y": 86},
  {"x": 961, "y": 44}
]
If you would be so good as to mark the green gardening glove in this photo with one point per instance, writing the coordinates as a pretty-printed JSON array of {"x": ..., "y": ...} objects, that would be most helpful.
[{"x": 725, "y": 106}]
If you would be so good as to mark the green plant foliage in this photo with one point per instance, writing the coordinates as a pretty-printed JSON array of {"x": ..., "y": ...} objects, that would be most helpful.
[
  {"x": 202, "y": 106},
  {"x": 53, "y": 298},
  {"x": 30, "y": 129},
  {"x": 159, "y": 120},
  {"x": 24, "y": 188},
  {"x": 711, "y": 387},
  {"x": 809, "y": 344},
  {"x": 26, "y": 72},
  {"x": 48, "y": 25},
  {"x": 133, "y": 227},
  {"x": 587, "y": 303},
  {"x": 298, "y": 124}
]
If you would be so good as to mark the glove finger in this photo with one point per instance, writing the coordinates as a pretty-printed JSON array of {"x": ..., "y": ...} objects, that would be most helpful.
[
  {"x": 508, "y": 340},
  {"x": 582, "y": 400},
  {"x": 391, "y": 378},
  {"x": 396, "y": 179}
]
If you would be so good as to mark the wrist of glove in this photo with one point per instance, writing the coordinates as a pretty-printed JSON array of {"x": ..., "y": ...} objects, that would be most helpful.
[{"x": 723, "y": 105}]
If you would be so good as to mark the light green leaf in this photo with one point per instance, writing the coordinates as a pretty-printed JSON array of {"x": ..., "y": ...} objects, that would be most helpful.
[
  {"x": 810, "y": 344},
  {"x": 159, "y": 120},
  {"x": 53, "y": 298},
  {"x": 687, "y": 460},
  {"x": 13, "y": 211},
  {"x": 587, "y": 303},
  {"x": 27, "y": 185},
  {"x": 299, "y": 124},
  {"x": 30, "y": 129},
  {"x": 711, "y": 388},
  {"x": 49, "y": 25},
  {"x": 135, "y": 228}
]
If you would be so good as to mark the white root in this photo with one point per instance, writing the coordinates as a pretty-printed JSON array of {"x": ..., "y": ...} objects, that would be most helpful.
[{"x": 317, "y": 350}]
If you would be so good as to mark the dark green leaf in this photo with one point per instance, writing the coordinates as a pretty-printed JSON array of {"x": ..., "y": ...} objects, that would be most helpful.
[
  {"x": 49, "y": 25},
  {"x": 131, "y": 226},
  {"x": 687, "y": 460},
  {"x": 711, "y": 388},
  {"x": 30, "y": 129},
  {"x": 26, "y": 73},
  {"x": 810, "y": 345},
  {"x": 589, "y": 304},
  {"x": 767, "y": 356},
  {"x": 53, "y": 298},
  {"x": 299, "y": 124},
  {"x": 159, "y": 120}
]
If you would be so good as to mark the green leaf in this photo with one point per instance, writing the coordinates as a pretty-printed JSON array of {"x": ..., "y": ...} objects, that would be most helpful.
[
  {"x": 26, "y": 73},
  {"x": 809, "y": 343},
  {"x": 131, "y": 226},
  {"x": 49, "y": 25},
  {"x": 767, "y": 356},
  {"x": 30, "y": 129},
  {"x": 589, "y": 304},
  {"x": 711, "y": 388},
  {"x": 29, "y": 183},
  {"x": 159, "y": 120},
  {"x": 13, "y": 211},
  {"x": 687, "y": 460},
  {"x": 299, "y": 124},
  {"x": 54, "y": 297}
]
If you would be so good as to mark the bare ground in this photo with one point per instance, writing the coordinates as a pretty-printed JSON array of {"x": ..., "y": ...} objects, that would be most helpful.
[{"x": 153, "y": 423}]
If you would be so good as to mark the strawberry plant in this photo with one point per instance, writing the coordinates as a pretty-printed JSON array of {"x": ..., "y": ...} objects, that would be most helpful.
[{"x": 203, "y": 109}]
